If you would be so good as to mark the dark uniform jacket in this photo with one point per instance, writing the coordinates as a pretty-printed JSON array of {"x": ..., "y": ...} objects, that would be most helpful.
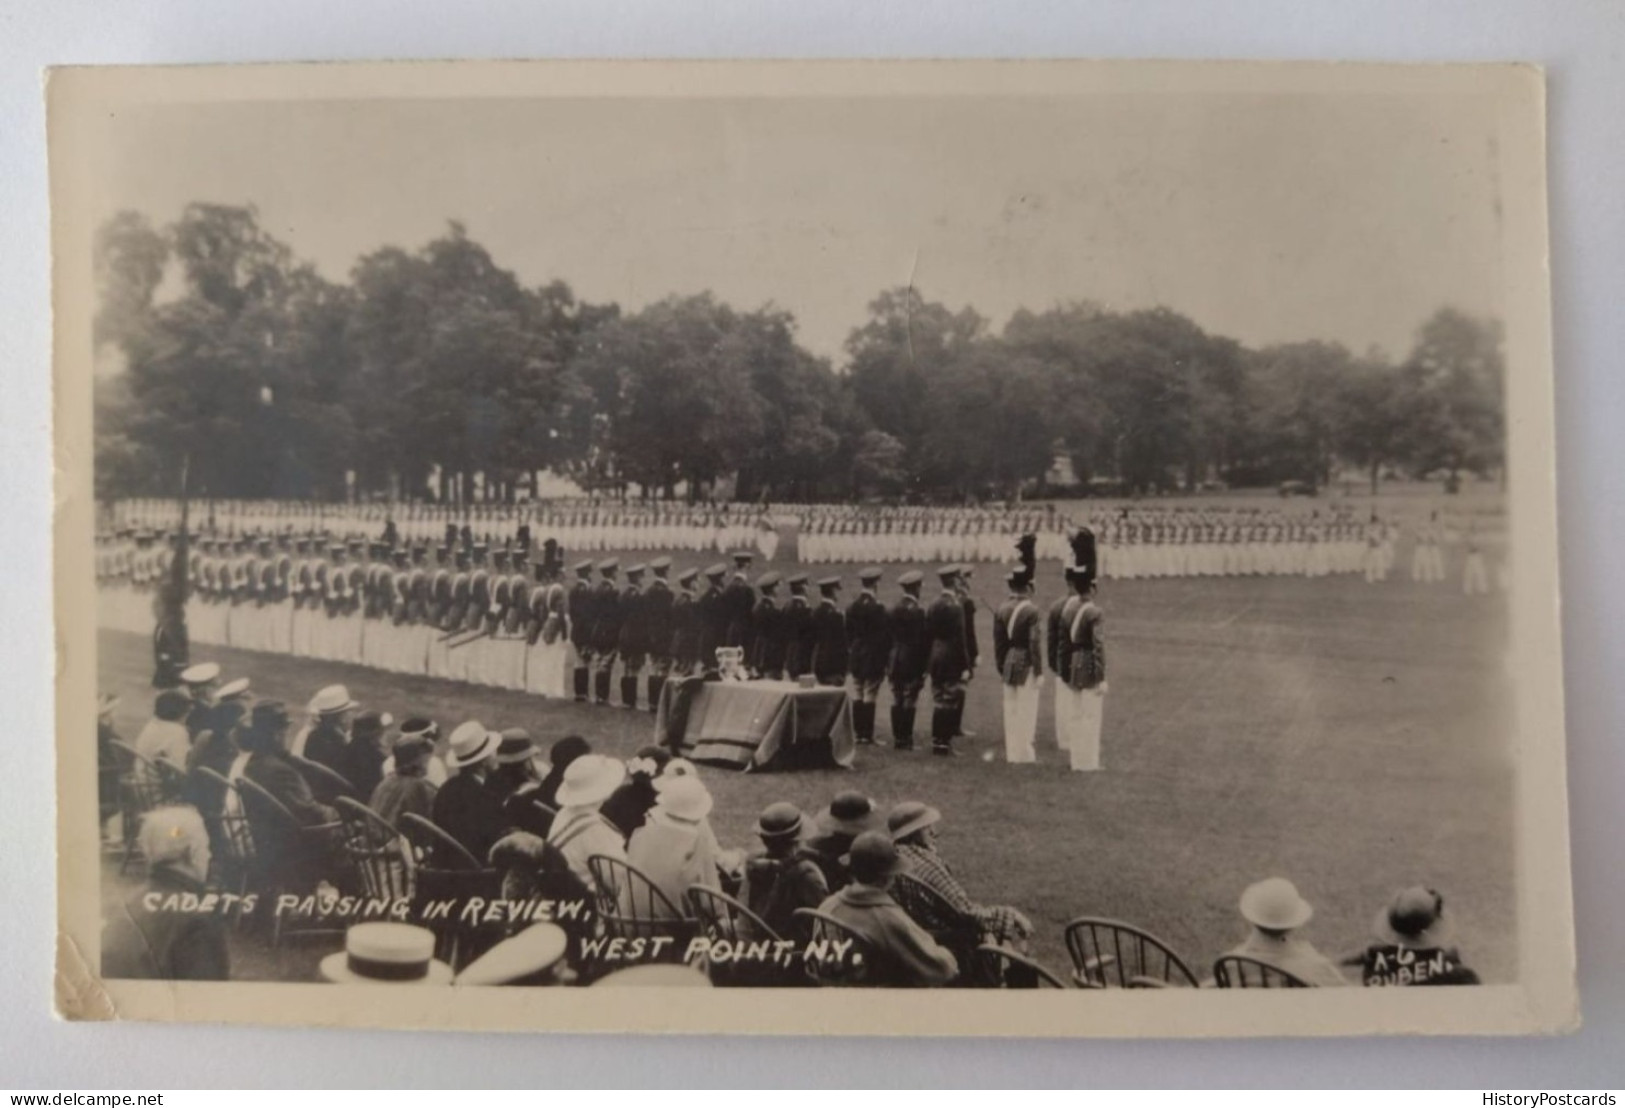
[
  {"x": 1060, "y": 635},
  {"x": 470, "y": 811},
  {"x": 868, "y": 638},
  {"x": 656, "y": 614},
  {"x": 945, "y": 629},
  {"x": 1018, "y": 641},
  {"x": 972, "y": 650},
  {"x": 798, "y": 636},
  {"x": 685, "y": 630},
  {"x": 632, "y": 641},
  {"x": 606, "y": 625},
  {"x": 910, "y": 649},
  {"x": 713, "y": 619},
  {"x": 329, "y": 746},
  {"x": 738, "y": 602},
  {"x": 829, "y": 641},
  {"x": 298, "y": 857},
  {"x": 582, "y": 615},
  {"x": 1088, "y": 647},
  {"x": 769, "y": 646}
]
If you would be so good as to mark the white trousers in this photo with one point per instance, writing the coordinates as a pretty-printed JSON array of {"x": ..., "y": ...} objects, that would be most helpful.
[
  {"x": 1021, "y": 720},
  {"x": 1088, "y": 710},
  {"x": 1065, "y": 721}
]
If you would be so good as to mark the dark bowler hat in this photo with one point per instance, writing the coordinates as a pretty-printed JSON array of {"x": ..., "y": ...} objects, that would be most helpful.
[
  {"x": 768, "y": 580},
  {"x": 911, "y": 578},
  {"x": 780, "y": 820},
  {"x": 873, "y": 858}
]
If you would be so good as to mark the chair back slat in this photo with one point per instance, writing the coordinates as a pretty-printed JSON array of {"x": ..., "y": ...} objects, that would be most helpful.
[
  {"x": 722, "y": 917},
  {"x": 1108, "y": 954},
  {"x": 436, "y": 845},
  {"x": 1003, "y": 968},
  {"x": 326, "y": 783},
  {"x": 820, "y": 960},
  {"x": 1236, "y": 971},
  {"x": 379, "y": 854},
  {"x": 632, "y": 906}
]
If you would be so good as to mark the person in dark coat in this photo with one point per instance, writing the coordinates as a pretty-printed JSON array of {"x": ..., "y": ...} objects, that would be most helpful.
[
  {"x": 868, "y": 648},
  {"x": 148, "y": 936},
  {"x": 768, "y": 644},
  {"x": 785, "y": 877},
  {"x": 829, "y": 661},
  {"x": 170, "y": 648},
  {"x": 629, "y": 805},
  {"x": 910, "y": 650},
  {"x": 797, "y": 622},
  {"x": 302, "y": 854},
  {"x": 949, "y": 662},
  {"x": 713, "y": 617},
  {"x": 329, "y": 740},
  {"x": 606, "y": 628},
  {"x": 217, "y": 750},
  {"x": 849, "y": 815},
  {"x": 633, "y": 643},
  {"x": 739, "y": 604},
  {"x": 563, "y": 752},
  {"x": 369, "y": 746},
  {"x": 657, "y": 629},
  {"x": 583, "y": 614},
  {"x": 685, "y": 626},
  {"x": 467, "y": 808}
]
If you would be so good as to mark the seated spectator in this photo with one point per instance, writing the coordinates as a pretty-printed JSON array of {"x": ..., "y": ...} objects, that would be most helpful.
[
  {"x": 904, "y": 956},
  {"x": 516, "y": 785},
  {"x": 565, "y": 751},
  {"x": 165, "y": 738},
  {"x": 153, "y": 937},
  {"x": 407, "y": 788},
  {"x": 435, "y": 767},
  {"x": 216, "y": 749},
  {"x": 849, "y": 815},
  {"x": 580, "y": 831},
  {"x": 199, "y": 683},
  {"x": 329, "y": 738},
  {"x": 1276, "y": 911},
  {"x": 631, "y": 803},
  {"x": 465, "y": 807},
  {"x": 1413, "y": 945},
  {"x": 784, "y": 878},
  {"x": 675, "y": 847},
  {"x": 535, "y": 870},
  {"x": 369, "y": 745},
  {"x": 914, "y": 829},
  {"x": 307, "y": 859},
  {"x": 107, "y": 770}
]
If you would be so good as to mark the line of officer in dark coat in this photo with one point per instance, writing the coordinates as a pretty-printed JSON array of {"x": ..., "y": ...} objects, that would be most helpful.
[
  {"x": 910, "y": 653},
  {"x": 606, "y": 627},
  {"x": 829, "y": 654},
  {"x": 769, "y": 642},
  {"x": 949, "y": 664},
  {"x": 868, "y": 634},
  {"x": 583, "y": 614}
]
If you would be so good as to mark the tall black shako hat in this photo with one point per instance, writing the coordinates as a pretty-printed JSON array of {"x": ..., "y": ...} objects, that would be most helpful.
[
  {"x": 1027, "y": 553},
  {"x": 1085, "y": 562}
]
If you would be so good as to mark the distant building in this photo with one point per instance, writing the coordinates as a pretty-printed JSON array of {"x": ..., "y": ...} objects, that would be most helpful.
[{"x": 1061, "y": 472}]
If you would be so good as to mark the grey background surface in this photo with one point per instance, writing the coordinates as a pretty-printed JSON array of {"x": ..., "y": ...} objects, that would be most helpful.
[{"x": 1578, "y": 41}]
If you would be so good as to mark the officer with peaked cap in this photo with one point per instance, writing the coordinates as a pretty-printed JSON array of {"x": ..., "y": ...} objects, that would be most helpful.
[
  {"x": 949, "y": 662},
  {"x": 829, "y": 657},
  {"x": 583, "y": 613},
  {"x": 910, "y": 650},
  {"x": 798, "y": 628},
  {"x": 739, "y": 602},
  {"x": 685, "y": 625},
  {"x": 713, "y": 616},
  {"x": 657, "y": 628},
  {"x": 868, "y": 635},
  {"x": 631, "y": 644},
  {"x": 606, "y": 634},
  {"x": 768, "y": 644}
]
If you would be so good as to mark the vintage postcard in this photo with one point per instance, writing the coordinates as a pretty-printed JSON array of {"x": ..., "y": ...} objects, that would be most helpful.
[{"x": 718, "y": 547}]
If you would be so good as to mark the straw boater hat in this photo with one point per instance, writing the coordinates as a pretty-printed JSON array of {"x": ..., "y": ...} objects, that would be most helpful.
[
  {"x": 589, "y": 780},
  {"x": 1274, "y": 904},
  {"x": 519, "y": 960},
  {"x": 334, "y": 698},
  {"x": 685, "y": 799},
  {"x": 471, "y": 743},
  {"x": 910, "y": 816},
  {"x": 386, "y": 954},
  {"x": 1415, "y": 918}
]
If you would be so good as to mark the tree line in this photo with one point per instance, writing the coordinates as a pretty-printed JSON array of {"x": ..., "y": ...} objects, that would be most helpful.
[{"x": 432, "y": 368}]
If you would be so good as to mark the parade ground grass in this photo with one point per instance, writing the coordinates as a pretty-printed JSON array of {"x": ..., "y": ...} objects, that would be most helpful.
[{"x": 1352, "y": 737}]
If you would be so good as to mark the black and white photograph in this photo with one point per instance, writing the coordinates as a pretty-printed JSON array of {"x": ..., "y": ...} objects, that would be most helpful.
[{"x": 799, "y": 532}]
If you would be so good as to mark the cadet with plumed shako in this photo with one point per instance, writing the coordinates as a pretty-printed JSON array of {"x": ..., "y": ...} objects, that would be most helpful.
[
  {"x": 910, "y": 650},
  {"x": 1088, "y": 676},
  {"x": 868, "y": 638},
  {"x": 1018, "y": 652}
]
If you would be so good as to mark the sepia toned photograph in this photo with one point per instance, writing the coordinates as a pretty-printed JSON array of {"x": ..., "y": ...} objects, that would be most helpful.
[{"x": 1079, "y": 537}]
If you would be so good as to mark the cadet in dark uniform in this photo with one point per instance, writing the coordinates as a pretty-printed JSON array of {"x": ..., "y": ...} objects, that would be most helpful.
[
  {"x": 798, "y": 629},
  {"x": 633, "y": 637},
  {"x": 973, "y": 651},
  {"x": 685, "y": 625},
  {"x": 713, "y": 617},
  {"x": 582, "y": 617},
  {"x": 1059, "y": 655},
  {"x": 949, "y": 663},
  {"x": 739, "y": 602},
  {"x": 868, "y": 642},
  {"x": 1088, "y": 679},
  {"x": 1018, "y": 652},
  {"x": 606, "y": 634},
  {"x": 768, "y": 645},
  {"x": 829, "y": 635},
  {"x": 909, "y": 653},
  {"x": 657, "y": 628}
]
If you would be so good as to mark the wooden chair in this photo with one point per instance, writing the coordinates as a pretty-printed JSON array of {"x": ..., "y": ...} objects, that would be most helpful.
[
  {"x": 961, "y": 934},
  {"x": 435, "y": 847},
  {"x": 1107, "y": 954},
  {"x": 326, "y": 784},
  {"x": 547, "y": 811},
  {"x": 724, "y": 919},
  {"x": 633, "y": 907},
  {"x": 275, "y": 831},
  {"x": 232, "y": 840},
  {"x": 1003, "y": 968},
  {"x": 141, "y": 788},
  {"x": 443, "y": 869},
  {"x": 379, "y": 853},
  {"x": 820, "y": 960},
  {"x": 1236, "y": 971}
]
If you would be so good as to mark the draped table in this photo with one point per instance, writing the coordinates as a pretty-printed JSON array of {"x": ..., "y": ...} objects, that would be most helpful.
[{"x": 755, "y": 725}]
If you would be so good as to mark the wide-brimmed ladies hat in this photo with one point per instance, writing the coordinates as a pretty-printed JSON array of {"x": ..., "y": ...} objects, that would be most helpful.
[
  {"x": 850, "y": 813},
  {"x": 334, "y": 698},
  {"x": 1414, "y": 918},
  {"x": 589, "y": 780},
  {"x": 471, "y": 743},
  {"x": 683, "y": 798},
  {"x": 910, "y": 816},
  {"x": 386, "y": 954},
  {"x": 1274, "y": 904}
]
